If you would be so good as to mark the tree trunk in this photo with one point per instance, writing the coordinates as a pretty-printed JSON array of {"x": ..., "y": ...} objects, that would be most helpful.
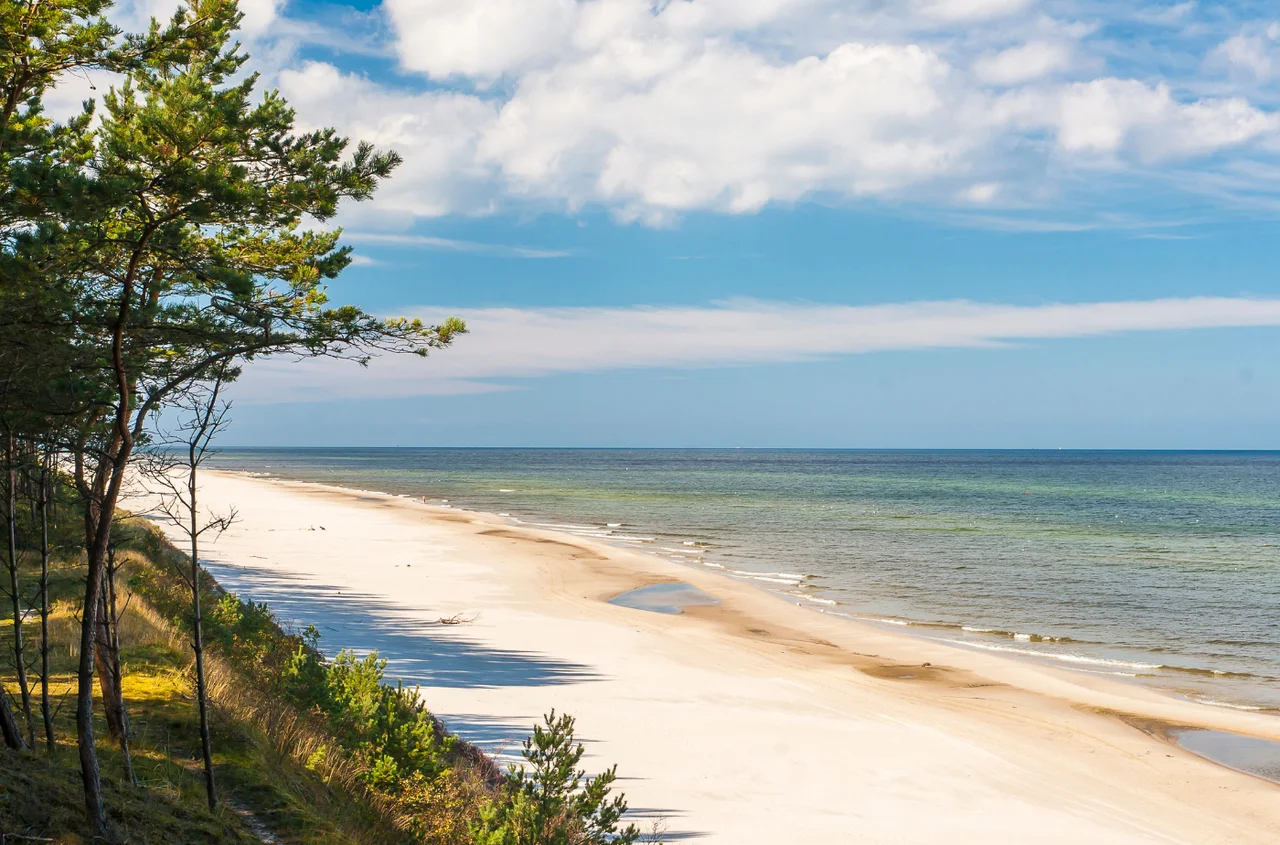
[
  {"x": 46, "y": 712},
  {"x": 19, "y": 651},
  {"x": 113, "y": 666},
  {"x": 111, "y": 704},
  {"x": 98, "y": 514},
  {"x": 198, "y": 644},
  {"x": 9, "y": 724},
  {"x": 100, "y": 500}
]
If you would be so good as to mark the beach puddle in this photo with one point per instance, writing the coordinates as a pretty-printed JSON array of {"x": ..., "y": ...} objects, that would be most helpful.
[
  {"x": 665, "y": 598},
  {"x": 1260, "y": 757}
]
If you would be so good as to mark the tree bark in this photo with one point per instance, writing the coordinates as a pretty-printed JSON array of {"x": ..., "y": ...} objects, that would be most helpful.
[
  {"x": 111, "y": 704},
  {"x": 89, "y": 773},
  {"x": 202, "y": 696},
  {"x": 9, "y": 724},
  {"x": 46, "y": 712},
  {"x": 113, "y": 641},
  {"x": 19, "y": 650},
  {"x": 99, "y": 512}
]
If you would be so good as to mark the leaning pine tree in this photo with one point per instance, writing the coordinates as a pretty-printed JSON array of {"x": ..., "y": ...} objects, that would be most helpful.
[{"x": 187, "y": 254}]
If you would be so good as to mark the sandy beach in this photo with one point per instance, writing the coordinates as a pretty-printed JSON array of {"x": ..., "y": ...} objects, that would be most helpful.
[{"x": 751, "y": 722}]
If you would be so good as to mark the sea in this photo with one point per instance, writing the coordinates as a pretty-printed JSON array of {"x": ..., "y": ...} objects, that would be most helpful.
[{"x": 1162, "y": 568}]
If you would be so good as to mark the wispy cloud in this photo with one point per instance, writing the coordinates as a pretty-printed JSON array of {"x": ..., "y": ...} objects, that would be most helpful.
[
  {"x": 452, "y": 245},
  {"x": 511, "y": 344}
]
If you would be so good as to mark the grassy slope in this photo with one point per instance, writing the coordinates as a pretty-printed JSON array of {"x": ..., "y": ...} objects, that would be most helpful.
[{"x": 41, "y": 796}]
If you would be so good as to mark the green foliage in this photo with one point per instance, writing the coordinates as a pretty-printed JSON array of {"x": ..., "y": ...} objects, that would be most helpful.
[
  {"x": 553, "y": 802},
  {"x": 163, "y": 240},
  {"x": 304, "y": 680},
  {"x": 388, "y": 726}
]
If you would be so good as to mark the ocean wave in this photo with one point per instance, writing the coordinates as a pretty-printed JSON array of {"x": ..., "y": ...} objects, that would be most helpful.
[
  {"x": 1017, "y": 635},
  {"x": 790, "y": 582},
  {"x": 1213, "y": 702},
  {"x": 1065, "y": 658},
  {"x": 750, "y": 573},
  {"x": 1208, "y": 673},
  {"x": 812, "y": 598}
]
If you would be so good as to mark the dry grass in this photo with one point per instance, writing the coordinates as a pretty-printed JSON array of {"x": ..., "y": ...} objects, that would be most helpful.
[{"x": 261, "y": 747}]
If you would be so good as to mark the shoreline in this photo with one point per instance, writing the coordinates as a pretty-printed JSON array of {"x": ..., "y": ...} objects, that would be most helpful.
[
  {"x": 693, "y": 706},
  {"x": 1208, "y": 686}
]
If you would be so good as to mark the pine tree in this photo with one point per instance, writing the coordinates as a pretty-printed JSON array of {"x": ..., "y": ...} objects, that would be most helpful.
[{"x": 184, "y": 255}]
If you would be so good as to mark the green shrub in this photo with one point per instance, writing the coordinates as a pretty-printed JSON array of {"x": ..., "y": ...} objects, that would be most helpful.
[
  {"x": 389, "y": 726},
  {"x": 552, "y": 801}
]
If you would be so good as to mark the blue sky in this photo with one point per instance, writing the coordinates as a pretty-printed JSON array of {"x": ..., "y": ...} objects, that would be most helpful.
[{"x": 801, "y": 223}]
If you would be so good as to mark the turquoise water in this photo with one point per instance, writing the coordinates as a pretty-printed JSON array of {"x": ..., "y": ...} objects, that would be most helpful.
[{"x": 1163, "y": 567}]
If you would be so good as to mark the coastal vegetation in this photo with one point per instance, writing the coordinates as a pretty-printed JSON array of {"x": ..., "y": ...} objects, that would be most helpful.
[{"x": 150, "y": 247}]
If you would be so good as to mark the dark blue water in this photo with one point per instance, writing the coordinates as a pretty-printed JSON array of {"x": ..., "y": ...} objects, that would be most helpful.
[{"x": 1163, "y": 566}]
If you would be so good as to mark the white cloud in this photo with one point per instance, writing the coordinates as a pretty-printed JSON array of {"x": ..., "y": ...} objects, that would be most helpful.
[
  {"x": 437, "y": 131},
  {"x": 1033, "y": 60},
  {"x": 512, "y": 343},
  {"x": 452, "y": 245},
  {"x": 973, "y": 10},
  {"x": 258, "y": 16},
  {"x": 1112, "y": 117},
  {"x": 653, "y": 111},
  {"x": 654, "y": 108},
  {"x": 484, "y": 38},
  {"x": 1257, "y": 54},
  {"x": 650, "y": 129},
  {"x": 983, "y": 192}
]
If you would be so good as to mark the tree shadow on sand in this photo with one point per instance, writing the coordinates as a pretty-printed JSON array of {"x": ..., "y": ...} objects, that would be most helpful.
[
  {"x": 418, "y": 652},
  {"x": 425, "y": 653}
]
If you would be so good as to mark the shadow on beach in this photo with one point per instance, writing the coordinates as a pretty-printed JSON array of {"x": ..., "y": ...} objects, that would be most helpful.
[
  {"x": 417, "y": 651},
  {"x": 421, "y": 652}
]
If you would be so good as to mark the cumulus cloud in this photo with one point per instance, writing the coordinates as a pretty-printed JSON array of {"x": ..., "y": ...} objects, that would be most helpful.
[
  {"x": 655, "y": 130},
  {"x": 651, "y": 109},
  {"x": 483, "y": 38},
  {"x": 514, "y": 343},
  {"x": 437, "y": 131},
  {"x": 1113, "y": 117}
]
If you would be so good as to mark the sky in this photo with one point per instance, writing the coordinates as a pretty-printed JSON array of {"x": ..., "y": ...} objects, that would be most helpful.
[{"x": 793, "y": 223}]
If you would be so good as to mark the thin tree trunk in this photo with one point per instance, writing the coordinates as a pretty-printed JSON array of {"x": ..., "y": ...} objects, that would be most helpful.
[
  {"x": 198, "y": 644},
  {"x": 97, "y": 528},
  {"x": 9, "y": 723},
  {"x": 102, "y": 661},
  {"x": 113, "y": 652},
  {"x": 19, "y": 651},
  {"x": 46, "y": 712}
]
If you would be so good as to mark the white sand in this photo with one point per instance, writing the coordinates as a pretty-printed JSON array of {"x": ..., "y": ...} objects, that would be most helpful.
[{"x": 752, "y": 723}]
